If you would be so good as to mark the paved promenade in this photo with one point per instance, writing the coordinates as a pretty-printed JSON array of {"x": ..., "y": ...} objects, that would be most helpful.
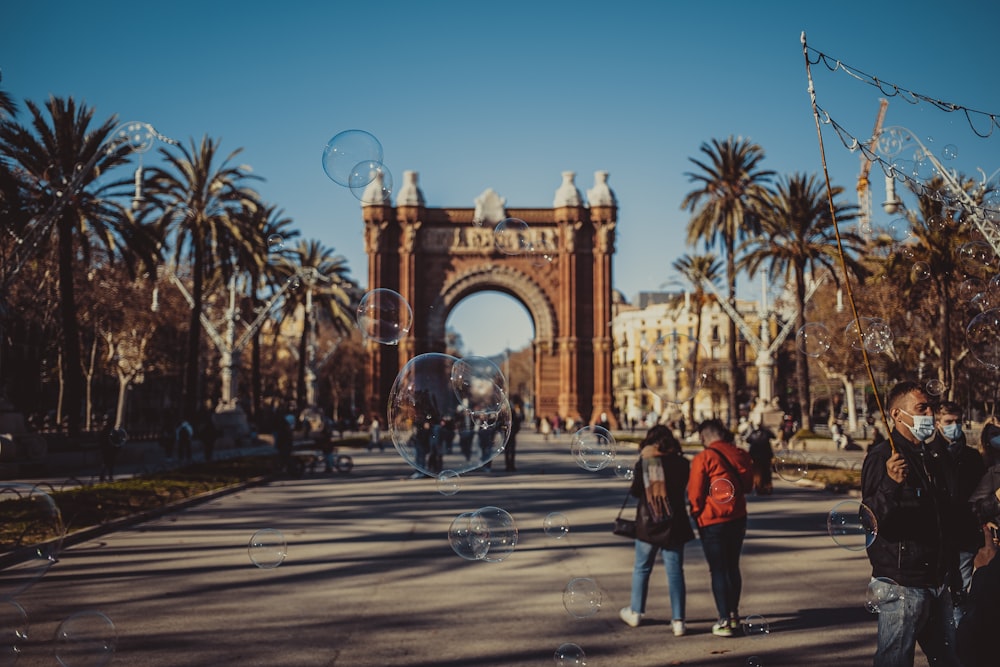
[{"x": 370, "y": 578}]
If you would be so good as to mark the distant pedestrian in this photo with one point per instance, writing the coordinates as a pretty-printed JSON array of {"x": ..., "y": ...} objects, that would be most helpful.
[
  {"x": 510, "y": 451},
  {"x": 375, "y": 431},
  {"x": 759, "y": 439},
  {"x": 183, "y": 437},
  {"x": 721, "y": 474},
  {"x": 110, "y": 446}
]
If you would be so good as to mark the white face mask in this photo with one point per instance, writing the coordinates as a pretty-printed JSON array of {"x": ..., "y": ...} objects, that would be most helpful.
[
  {"x": 951, "y": 431},
  {"x": 923, "y": 426}
]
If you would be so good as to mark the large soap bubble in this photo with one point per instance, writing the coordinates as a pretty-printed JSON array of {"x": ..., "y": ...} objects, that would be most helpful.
[
  {"x": 582, "y": 597},
  {"x": 267, "y": 548},
  {"x": 512, "y": 237},
  {"x": 593, "y": 448},
  {"x": 569, "y": 655},
  {"x": 384, "y": 316},
  {"x": 852, "y": 525},
  {"x": 33, "y": 538},
  {"x": 670, "y": 368},
  {"x": 348, "y": 149},
  {"x": 425, "y": 415},
  {"x": 86, "y": 639},
  {"x": 813, "y": 339},
  {"x": 983, "y": 338},
  {"x": 371, "y": 183}
]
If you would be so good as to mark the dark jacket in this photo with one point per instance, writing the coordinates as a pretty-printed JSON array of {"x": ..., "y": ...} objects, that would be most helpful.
[
  {"x": 975, "y": 638},
  {"x": 964, "y": 468},
  {"x": 983, "y": 500},
  {"x": 911, "y": 546},
  {"x": 677, "y": 530}
]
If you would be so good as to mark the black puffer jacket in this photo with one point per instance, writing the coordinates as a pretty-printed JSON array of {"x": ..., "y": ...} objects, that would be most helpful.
[{"x": 911, "y": 546}]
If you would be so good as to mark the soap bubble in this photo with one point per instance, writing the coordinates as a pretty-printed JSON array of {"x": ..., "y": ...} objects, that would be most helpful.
[
  {"x": 756, "y": 626},
  {"x": 543, "y": 252},
  {"x": 348, "y": 149},
  {"x": 569, "y": 654},
  {"x": 13, "y": 630},
  {"x": 920, "y": 271},
  {"x": 721, "y": 490},
  {"x": 852, "y": 525},
  {"x": 384, "y": 316},
  {"x": 935, "y": 388},
  {"x": 448, "y": 483},
  {"x": 501, "y": 532},
  {"x": 985, "y": 301},
  {"x": 424, "y": 411},
  {"x": 975, "y": 257},
  {"x": 512, "y": 236},
  {"x": 275, "y": 243},
  {"x": 882, "y": 591},
  {"x": 86, "y": 639},
  {"x": 755, "y": 661},
  {"x": 556, "y": 525},
  {"x": 267, "y": 548},
  {"x": 790, "y": 466},
  {"x": 813, "y": 339},
  {"x": 35, "y": 547},
  {"x": 670, "y": 367},
  {"x": 118, "y": 437},
  {"x": 624, "y": 470},
  {"x": 969, "y": 288},
  {"x": 949, "y": 152},
  {"x": 469, "y": 536},
  {"x": 593, "y": 448},
  {"x": 371, "y": 183},
  {"x": 983, "y": 338},
  {"x": 582, "y": 597},
  {"x": 479, "y": 384}
]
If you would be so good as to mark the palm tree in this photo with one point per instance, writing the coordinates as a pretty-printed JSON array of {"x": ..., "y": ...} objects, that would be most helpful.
[
  {"x": 58, "y": 166},
  {"x": 327, "y": 294},
  {"x": 696, "y": 268},
  {"x": 203, "y": 201},
  {"x": 724, "y": 211},
  {"x": 262, "y": 275},
  {"x": 798, "y": 237}
]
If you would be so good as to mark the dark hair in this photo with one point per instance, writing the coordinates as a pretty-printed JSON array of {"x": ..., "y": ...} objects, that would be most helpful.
[
  {"x": 948, "y": 408},
  {"x": 717, "y": 427},
  {"x": 902, "y": 389},
  {"x": 663, "y": 438}
]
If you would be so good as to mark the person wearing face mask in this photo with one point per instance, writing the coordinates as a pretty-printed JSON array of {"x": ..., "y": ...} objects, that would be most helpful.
[
  {"x": 964, "y": 468},
  {"x": 905, "y": 487}
]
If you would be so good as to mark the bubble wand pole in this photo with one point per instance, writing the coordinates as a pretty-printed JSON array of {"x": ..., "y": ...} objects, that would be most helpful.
[{"x": 840, "y": 247}]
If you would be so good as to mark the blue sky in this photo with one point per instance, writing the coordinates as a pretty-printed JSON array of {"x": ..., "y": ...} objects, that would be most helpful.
[{"x": 507, "y": 96}]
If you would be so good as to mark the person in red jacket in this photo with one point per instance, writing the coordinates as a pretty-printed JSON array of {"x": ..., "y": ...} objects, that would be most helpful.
[{"x": 721, "y": 475}]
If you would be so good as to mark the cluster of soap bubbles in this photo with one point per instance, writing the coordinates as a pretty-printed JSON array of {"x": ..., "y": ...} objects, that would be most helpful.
[
  {"x": 582, "y": 597},
  {"x": 852, "y": 525},
  {"x": 670, "y": 367},
  {"x": 435, "y": 395},
  {"x": 353, "y": 159},
  {"x": 487, "y": 534}
]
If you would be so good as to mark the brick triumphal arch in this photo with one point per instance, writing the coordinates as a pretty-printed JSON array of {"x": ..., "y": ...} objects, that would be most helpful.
[{"x": 435, "y": 257}]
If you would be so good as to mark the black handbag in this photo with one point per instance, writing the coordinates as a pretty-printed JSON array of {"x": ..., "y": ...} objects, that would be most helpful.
[{"x": 622, "y": 526}]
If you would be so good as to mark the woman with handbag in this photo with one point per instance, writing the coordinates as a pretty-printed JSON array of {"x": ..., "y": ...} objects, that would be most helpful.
[{"x": 662, "y": 525}]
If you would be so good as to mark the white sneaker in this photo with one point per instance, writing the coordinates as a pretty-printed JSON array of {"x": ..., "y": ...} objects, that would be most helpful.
[
  {"x": 630, "y": 617},
  {"x": 679, "y": 628}
]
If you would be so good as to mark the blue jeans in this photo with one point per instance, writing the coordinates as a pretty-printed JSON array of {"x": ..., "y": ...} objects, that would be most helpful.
[
  {"x": 918, "y": 616},
  {"x": 723, "y": 543},
  {"x": 673, "y": 563}
]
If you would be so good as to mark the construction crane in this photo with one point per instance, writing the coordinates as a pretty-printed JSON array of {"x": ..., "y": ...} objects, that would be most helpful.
[{"x": 864, "y": 185}]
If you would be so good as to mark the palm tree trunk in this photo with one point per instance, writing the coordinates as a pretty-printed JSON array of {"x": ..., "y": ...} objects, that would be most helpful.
[
  {"x": 300, "y": 384},
  {"x": 189, "y": 404},
  {"x": 72, "y": 359},
  {"x": 734, "y": 364}
]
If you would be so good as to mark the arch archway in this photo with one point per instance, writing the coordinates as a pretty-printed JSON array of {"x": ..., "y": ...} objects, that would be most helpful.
[{"x": 435, "y": 257}]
